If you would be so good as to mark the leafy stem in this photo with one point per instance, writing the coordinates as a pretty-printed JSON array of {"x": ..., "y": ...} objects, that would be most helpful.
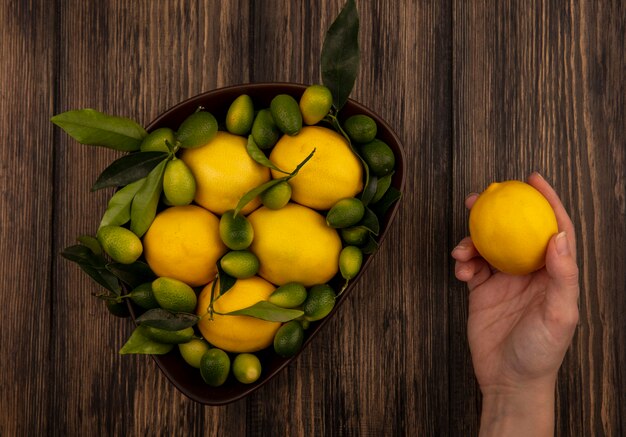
[
  {"x": 210, "y": 309},
  {"x": 341, "y": 55},
  {"x": 266, "y": 311},
  {"x": 172, "y": 148},
  {"x": 253, "y": 193},
  {"x": 299, "y": 166},
  {"x": 257, "y": 154}
]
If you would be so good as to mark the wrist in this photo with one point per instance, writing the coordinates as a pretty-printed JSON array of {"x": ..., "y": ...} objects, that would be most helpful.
[{"x": 522, "y": 411}]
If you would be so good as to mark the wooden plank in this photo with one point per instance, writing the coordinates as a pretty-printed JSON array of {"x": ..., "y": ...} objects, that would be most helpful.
[
  {"x": 599, "y": 87},
  {"x": 534, "y": 87},
  {"x": 540, "y": 86},
  {"x": 26, "y": 204},
  {"x": 380, "y": 367},
  {"x": 135, "y": 60},
  {"x": 280, "y": 31}
]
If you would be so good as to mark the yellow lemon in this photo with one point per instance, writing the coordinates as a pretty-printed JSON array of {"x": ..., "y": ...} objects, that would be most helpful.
[
  {"x": 294, "y": 244},
  {"x": 334, "y": 172},
  {"x": 184, "y": 243},
  {"x": 237, "y": 333},
  {"x": 511, "y": 224},
  {"x": 224, "y": 172}
]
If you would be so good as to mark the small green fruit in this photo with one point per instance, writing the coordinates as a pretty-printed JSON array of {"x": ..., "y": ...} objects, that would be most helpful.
[
  {"x": 235, "y": 232},
  {"x": 346, "y": 212},
  {"x": 120, "y": 244},
  {"x": 214, "y": 367},
  {"x": 286, "y": 114}
]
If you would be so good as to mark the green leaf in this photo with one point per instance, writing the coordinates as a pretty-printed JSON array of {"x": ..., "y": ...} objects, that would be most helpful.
[
  {"x": 91, "y": 243},
  {"x": 369, "y": 191},
  {"x": 370, "y": 221},
  {"x": 133, "y": 274},
  {"x": 94, "y": 265},
  {"x": 102, "y": 277},
  {"x": 79, "y": 253},
  {"x": 383, "y": 185},
  {"x": 226, "y": 281},
  {"x": 163, "y": 319},
  {"x": 118, "y": 209},
  {"x": 267, "y": 311},
  {"x": 139, "y": 343},
  {"x": 382, "y": 206},
  {"x": 144, "y": 206},
  {"x": 257, "y": 154},
  {"x": 129, "y": 168},
  {"x": 340, "y": 54},
  {"x": 118, "y": 309},
  {"x": 299, "y": 166},
  {"x": 253, "y": 193},
  {"x": 94, "y": 128},
  {"x": 370, "y": 246}
]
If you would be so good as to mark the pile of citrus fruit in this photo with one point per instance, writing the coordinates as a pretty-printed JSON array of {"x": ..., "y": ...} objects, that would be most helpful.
[{"x": 250, "y": 227}]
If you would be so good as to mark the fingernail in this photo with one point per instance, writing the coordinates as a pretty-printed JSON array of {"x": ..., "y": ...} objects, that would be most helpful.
[
  {"x": 539, "y": 174},
  {"x": 562, "y": 245},
  {"x": 470, "y": 195},
  {"x": 461, "y": 246}
]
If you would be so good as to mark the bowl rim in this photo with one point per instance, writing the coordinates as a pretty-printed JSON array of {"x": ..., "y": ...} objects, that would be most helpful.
[{"x": 398, "y": 181}]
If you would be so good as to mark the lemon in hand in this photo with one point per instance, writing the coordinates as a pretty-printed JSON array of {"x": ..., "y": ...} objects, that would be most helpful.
[
  {"x": 294, "y": 244},
  {"x": 511, "y": 224},
  {"x": 334, "y": 172},
  {"x": 224, "y": 172}
]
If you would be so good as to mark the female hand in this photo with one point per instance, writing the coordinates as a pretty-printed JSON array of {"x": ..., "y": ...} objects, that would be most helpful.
[{"x": 519, "y": 328}]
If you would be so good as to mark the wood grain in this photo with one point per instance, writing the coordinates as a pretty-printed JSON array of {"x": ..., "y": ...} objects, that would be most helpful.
[
  {"x": 26, "y": 227},
  {"x": 477, "y": 91},
  {"x": 124, "y": 52},
  {"x": 539, "y": 87},
  {"x": 362, "y": 375}
]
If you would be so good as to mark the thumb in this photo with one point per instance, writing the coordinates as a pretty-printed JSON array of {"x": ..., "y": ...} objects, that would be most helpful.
[{"x": 561, "y": 267}]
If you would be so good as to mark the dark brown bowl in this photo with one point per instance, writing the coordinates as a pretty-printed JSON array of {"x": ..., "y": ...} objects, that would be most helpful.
[{"x": 187, "y": 379}]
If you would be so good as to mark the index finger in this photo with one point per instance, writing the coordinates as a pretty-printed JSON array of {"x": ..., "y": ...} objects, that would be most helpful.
[{"x": 562, "y": 217}]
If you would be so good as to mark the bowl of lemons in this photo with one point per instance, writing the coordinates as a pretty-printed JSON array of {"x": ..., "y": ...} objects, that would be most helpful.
[
  {"x": 284, "y": 215},
  {"x": 240, "y": 220}
]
